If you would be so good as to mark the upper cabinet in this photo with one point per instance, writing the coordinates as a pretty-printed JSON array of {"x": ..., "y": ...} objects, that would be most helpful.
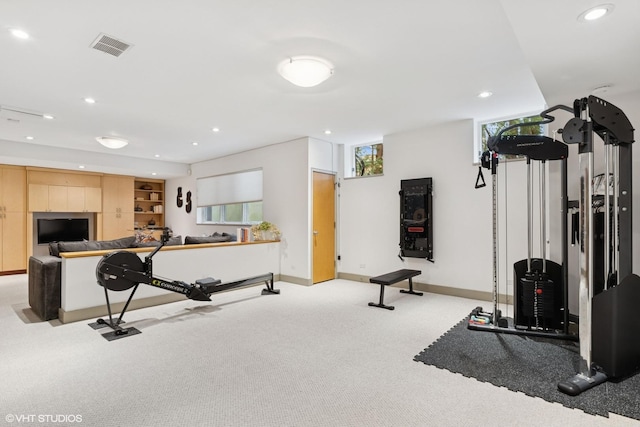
[
  {"x": 60, "y": 198},
  {"x": 51, "y": 191}
]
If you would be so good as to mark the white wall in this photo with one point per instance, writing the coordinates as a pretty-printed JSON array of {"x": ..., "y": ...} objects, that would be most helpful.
[
  {"x": 370, "y": 206},
  {"x": 285, "y": 198}
]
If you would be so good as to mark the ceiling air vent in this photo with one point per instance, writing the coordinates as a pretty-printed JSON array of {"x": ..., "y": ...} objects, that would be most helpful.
[
  {"x": 110, "y": 45},
  {"x": 15, "y": 114}
]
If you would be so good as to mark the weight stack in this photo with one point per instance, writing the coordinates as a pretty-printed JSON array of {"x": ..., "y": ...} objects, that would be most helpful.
[
  {"x": 538, "y": 301},
  {"x": 615, "y": 334}
]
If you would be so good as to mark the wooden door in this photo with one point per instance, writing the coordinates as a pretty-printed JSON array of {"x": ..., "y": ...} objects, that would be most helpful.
[{"x": 324, "y": 231}]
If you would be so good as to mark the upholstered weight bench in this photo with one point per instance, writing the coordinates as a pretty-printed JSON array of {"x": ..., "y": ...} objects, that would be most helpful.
[{"x": 390, "y": 279}]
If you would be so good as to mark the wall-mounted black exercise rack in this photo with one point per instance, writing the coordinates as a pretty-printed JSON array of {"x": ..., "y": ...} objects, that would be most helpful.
[{"x": 416, "y": 218}]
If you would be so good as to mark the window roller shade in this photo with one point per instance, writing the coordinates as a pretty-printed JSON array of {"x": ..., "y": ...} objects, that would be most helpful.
[{"x": 231, "y": 188}]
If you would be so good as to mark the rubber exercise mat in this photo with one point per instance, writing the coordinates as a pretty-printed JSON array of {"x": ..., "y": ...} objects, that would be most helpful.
[{"x": 530, "y": 365}]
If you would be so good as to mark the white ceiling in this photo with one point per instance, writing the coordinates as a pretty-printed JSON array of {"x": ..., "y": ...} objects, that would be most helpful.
[{"x": 199, "y": 64}]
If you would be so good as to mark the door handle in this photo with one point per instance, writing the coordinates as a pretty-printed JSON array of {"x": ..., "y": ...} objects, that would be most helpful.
[{"x": 315, "y": 232}]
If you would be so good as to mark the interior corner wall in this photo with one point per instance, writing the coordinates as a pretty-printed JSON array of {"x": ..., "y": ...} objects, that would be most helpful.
[
  {"x": 462, "y": 215},
  {"x": 285, "y": 169},
  {"x": 370, "y": 209}
]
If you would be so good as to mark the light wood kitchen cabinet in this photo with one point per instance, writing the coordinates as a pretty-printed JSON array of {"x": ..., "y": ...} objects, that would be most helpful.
[
  {"x": 84, "y": 199},
  {"x": 38, "y": 198},
  {"x": 117, "y": 206},
  {"x": 58, "y": 198},
  {"x": 13, "y": 218},
  {"x": 62, "y": 198}
]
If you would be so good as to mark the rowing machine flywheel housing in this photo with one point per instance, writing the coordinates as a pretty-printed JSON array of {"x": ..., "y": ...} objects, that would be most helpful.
[{"x": 114, "y": 278}]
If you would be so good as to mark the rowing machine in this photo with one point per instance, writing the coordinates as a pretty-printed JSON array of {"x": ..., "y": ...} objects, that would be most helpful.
[{"x": 123, "y": 270}]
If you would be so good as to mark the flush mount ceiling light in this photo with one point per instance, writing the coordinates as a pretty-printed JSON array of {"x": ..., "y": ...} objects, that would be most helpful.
[
  {"x": 596, "y": 12},
  {"x": 485, "y": 94},
  {"x": 112, "y": 142},
  {"x": 19, "y": 33},
  {"x": 305, "y": 71}
]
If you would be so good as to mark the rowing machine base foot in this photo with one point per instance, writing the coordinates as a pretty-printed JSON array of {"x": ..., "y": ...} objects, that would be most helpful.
[
  {"x": 388, "y": 307},
  {"x": 101, "y": 323},
  {"x": 120, "y": 333},
  {"x": 270, "y": 291}
]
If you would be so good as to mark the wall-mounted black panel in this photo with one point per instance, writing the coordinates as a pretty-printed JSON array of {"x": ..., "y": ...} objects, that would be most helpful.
[{"x": 416, "y": 219}]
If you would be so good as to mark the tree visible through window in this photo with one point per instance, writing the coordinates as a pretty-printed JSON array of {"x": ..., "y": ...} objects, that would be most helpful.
[{"x": 368, "y": 160}]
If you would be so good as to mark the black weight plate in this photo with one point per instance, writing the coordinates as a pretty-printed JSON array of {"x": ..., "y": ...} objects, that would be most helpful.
[{"x": 110, "y": 277}]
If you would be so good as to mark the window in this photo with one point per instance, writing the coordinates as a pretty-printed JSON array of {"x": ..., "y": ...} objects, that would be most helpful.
[
  {"x": 234, "y": 213},
  {"x": 367, "y": 160},
  {"x": 230, "y": 199},
  {"x": 491, "y": 128}
]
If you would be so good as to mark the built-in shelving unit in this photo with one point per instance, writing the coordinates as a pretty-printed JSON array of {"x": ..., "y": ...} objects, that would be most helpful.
[{"x": 148, "y": 203}]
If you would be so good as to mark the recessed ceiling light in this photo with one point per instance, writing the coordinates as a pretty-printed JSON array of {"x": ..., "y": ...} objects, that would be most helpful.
[
  {"x": 215, "y": 130},
  {"x": 19, "y": 33},
  {"x": 485, "y": 94},
  {"x": 157, "y": 155},
  {"x": 112, "y": 142},
  {"x": 90, "y": 100},
  {"x": 29, "y": 138},
  {"x": 305, "y": 71},
  {"x": 81, "y": 167},
  {"x": 194, "y": 143},
  {"x": 47, "y": 116},
  {"x": 596, "y": 12},
  {"x": 327, "y": 132},
  {"x": 153, "y": 173}
]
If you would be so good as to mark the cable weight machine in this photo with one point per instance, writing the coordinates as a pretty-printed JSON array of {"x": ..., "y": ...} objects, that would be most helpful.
[
  {"x": 541, "y": 296},
  {"x": 609, "y": 339}
]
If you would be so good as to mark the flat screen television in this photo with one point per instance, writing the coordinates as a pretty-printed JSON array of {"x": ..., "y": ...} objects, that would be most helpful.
[{"x": 63, "y": 230}]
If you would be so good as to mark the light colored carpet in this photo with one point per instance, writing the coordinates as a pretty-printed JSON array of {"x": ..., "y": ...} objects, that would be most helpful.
[{"x": 311, "y": 356}]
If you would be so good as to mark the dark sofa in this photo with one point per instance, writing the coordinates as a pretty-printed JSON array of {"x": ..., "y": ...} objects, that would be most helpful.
[
  {"x": 213, "y": 238},
  {"x": 45, "y": 271}
]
